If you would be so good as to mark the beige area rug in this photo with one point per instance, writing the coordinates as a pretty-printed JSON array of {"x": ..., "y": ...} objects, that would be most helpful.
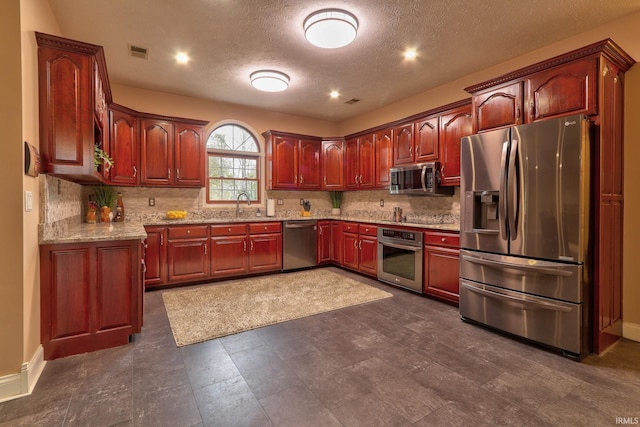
[{"x": 214, "y": 311}]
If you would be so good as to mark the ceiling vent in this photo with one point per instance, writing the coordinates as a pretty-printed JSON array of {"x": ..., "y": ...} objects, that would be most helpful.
[
  {"x": 352, "y": 101},
  {"x": 138, "y": 52}
]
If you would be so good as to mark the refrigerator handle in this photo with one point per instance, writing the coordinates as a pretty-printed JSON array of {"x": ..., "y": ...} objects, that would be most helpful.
[
  {"x": 512, "y": 198},
  {"x": 502, "y": 199}
]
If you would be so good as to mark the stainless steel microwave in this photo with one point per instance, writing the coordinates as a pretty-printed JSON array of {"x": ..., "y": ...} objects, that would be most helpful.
[{"x": 422, "y": 179}]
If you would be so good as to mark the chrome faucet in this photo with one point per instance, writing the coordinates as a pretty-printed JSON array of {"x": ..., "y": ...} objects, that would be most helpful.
[{"x": 245, "y": 194}]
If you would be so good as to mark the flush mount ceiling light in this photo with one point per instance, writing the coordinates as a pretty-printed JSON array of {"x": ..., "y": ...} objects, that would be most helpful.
[
  {"x": 269, "y": 80},
  {"x": 330, "y": 28}
]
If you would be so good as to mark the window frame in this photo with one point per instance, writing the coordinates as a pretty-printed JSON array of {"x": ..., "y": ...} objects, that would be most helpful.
[{"x": 232, "y": 154}]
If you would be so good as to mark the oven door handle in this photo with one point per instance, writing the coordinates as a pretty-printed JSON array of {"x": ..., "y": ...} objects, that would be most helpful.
[
  {"x": 523, "y": 301},
  {"x": 409, "y": 248}
]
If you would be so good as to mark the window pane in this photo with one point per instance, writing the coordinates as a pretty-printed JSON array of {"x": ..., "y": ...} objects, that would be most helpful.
[{"x": 232, "y": 138}]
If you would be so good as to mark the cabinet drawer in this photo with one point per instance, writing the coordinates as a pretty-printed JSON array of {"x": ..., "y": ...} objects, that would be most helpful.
[
  {"x": 228, "y": 230},
  {"x": 187, "y": 232},
  {"x": 442, "y": 239},
  {"x": 368, "y": 230},
  {"x": 265, "y": 227},
  {"x": 350, "y": 227}
]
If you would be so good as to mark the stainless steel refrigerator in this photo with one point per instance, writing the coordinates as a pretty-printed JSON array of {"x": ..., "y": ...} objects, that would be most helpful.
[{"x": 525, "y": 263}]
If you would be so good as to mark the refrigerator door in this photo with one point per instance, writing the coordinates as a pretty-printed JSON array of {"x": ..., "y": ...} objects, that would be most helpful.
[
  {"x": 482, "y": 205},
  {"x": 548, "y": 189}
]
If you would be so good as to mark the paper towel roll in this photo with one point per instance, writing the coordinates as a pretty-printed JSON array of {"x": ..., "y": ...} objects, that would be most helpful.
[{"x": 271, "y": 207}]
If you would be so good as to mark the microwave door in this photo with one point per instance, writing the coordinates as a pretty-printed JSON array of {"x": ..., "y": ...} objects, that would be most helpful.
[{"x": 483, "y": 224}]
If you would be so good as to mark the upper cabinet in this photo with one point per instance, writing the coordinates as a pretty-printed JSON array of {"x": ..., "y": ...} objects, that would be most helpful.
[
  {"x": 293, "y": 161},
  {"x": 73, "y": 90},
  {"x": 384, "y": 157},
  {"x": 171, "y": 152},
  {"x": 416, "y": 142},
  {"x": 360, "y": 162},
  {"x": 454, "y": 124},
  {"x": 123, "y": 146},
  {"x": 332, "y": 164},
  {"x": 498, "y": 107}
]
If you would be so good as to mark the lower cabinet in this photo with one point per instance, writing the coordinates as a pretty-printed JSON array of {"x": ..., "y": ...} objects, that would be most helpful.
[
  {"x": 155, "y": 257},
  {"x": 441, "y": 265},
  {"x": 337, "y": 242},
  {"x": 90, "y": 296},
  {"x": 360, "y": 251},
  {"x": 188, "y": 253},
  {"x": 265, "y": 247},
  {"x": 324, "y": 242},
  {"x": 229, "y": 254}
]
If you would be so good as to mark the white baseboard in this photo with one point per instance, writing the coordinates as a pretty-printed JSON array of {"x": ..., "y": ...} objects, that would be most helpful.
[
  {"x": 631, "y": 331},
  {"x": 21, "y": 384}
]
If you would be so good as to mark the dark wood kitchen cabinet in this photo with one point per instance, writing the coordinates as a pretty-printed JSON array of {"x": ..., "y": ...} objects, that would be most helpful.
[
  {"x": 172, "y": 151},
  {"x": 384, "y": 157},
  {"x": 337, "y": 242},
  {"x": 416, "y": 142},
  {"x": 73, "y": 91},
  {"x": 91, "y": 296},
  {"x": 590, "y": 81},
  {"x": 454, "y": 124},
  {"x": 441, "y": 265},
  {"x": 360, "y": 249},
  {"x": 187, "y": 253},
  {"x": 360, "y": 162},
  {"x": 155, "y": 256},
  {"x": 265, "y": 247},
  {"x": 324, "y": 242},
  {"x": 332, "y": 165},
  {"x": 293, "y": 161},
  {"x": 123, "y": 146}
]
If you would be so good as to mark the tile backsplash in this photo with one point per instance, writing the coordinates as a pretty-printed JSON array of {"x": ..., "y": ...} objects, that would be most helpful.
[{"x": 66, "y": 201}]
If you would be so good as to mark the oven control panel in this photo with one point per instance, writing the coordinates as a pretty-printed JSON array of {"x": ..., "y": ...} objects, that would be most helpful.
[{"x": 400, "y": 235}]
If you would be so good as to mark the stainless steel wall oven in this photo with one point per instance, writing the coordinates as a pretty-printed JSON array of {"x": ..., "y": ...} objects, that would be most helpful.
[{"x": 400, "y": 258}]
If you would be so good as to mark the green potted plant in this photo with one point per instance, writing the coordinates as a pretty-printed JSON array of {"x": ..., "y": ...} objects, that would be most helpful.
[
  {"x": 105, "y": 198},
  {"x": 336, "y": 201},
  {"x": 101, "y": 159}
]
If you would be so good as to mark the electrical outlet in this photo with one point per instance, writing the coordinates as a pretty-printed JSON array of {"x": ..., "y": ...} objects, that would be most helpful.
[
  {"x": 280, "y": 202},
  {"x": 381, "y": 202},
  {"x": 301, "y": 202},
  {"x": 152, "y": 201},
  {"x": 28, "y": 201}
]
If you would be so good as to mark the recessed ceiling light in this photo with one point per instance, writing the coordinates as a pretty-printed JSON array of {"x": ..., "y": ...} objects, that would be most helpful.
[
  {"x": 269, "y": 80},
  {"x": 182, "y": 58},
  {"x": 334, "y": 94},
  {"x": 330, "y": 28},
  {"x": 410, "y": 54}
]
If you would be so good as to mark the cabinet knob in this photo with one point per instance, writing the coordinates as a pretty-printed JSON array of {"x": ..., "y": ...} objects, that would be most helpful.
[
  {"x": 444, "y": 239},
  {"x": 188, "y": 231},
  {"x": 229, "y": 229},
  {"x": 265, "y": 228}
]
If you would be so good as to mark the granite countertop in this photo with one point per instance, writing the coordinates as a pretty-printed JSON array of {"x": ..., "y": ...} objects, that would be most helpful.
[{"x": 76, "y": 233}]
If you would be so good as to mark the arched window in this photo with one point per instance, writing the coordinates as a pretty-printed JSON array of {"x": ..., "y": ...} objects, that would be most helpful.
[{"x": 233, "y": 164}]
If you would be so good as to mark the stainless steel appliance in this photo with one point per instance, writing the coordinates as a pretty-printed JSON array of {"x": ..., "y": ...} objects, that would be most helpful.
[
  {"x": 524, "y": 237},
  {"x": 299, "y": 244},
  {"x": 421, "y": 179},
  {"x": 400, "y": 258}
]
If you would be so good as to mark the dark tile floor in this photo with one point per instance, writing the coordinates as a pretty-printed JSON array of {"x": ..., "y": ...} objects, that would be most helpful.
[{"x": 406, "y": 360}]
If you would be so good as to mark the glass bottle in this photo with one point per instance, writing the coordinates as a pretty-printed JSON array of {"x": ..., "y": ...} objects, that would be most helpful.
[{"x": 119, "y": 216}]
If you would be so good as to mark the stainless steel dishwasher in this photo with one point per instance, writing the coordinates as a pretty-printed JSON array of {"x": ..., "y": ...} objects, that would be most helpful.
[{"x": 299, "y": 244}]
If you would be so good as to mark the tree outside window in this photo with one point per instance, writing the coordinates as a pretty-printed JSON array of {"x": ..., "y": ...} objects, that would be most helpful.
[{"x": 233, "y": 164}]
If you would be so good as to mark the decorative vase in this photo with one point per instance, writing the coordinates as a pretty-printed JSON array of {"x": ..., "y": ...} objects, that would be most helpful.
[
  {"x": 105, "y": 214},
  {"x": 335, "y": 211},
  {"x": 91, "y": 215}
]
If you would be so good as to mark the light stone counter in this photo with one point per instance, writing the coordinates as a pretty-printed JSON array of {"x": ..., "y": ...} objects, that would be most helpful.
[{"x": 77, "y": 233}]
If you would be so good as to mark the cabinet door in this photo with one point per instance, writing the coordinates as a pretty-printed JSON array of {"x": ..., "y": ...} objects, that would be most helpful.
[
  {"x": 189, "y": 153},
  {"x": 563, "y": 90},
  {"x": 155, "y": 256},
  {"x": 123, "y": 148},
  {"x": 498, "y": 107},
  {"x": 309, "y": 164},
  {"x": 351, "y": 163},
  {"x": 188, "y": 259},
  {"x": 453, "y": 126},
  {"x": 426, "y": 140},
  {"x": 265, "y": 252},
  {"x": 285, "y": 162},
  {"x": 324, "y": 242},
  {"x": 403, "y": 144},
  {"x": 332, "y": 165},
  {"x": 441, "y": 278},
  {"x": 66, "y": 112},
  {"x": 383, "y": 157},
  {"x": 368, "y": 247},
  {"x": 350, "y": 250},
  {"x": 337, "y": 242},
  {"x": 229, "y": 255},
  {"x": 156, "y": 152},
  {"x": 367, "y": 161}
]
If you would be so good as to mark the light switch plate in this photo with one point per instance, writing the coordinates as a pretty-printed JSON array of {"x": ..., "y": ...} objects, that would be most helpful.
[{"x": 28, "y": 201}]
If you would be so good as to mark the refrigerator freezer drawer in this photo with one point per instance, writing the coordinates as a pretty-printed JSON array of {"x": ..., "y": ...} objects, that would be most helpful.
[
  {"x": 544, "y": 278},
  {"x": 554, "y": 323}
]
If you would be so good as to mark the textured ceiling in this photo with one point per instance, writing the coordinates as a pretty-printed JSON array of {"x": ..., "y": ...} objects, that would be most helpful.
[{"x": 229, "y": 39}]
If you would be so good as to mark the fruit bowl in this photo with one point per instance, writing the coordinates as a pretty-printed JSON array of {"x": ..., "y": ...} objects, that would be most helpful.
[{"x": 176, "y": 214}]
